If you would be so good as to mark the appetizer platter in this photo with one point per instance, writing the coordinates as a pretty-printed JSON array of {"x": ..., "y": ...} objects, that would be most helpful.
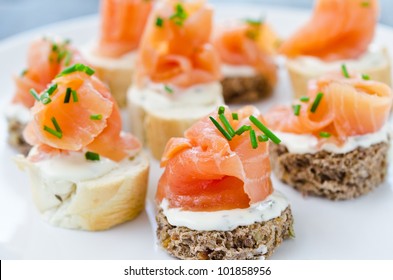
[{"x": 99, "y": 165}]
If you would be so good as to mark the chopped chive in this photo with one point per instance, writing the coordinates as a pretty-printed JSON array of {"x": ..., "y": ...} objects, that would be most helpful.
[
  {"x": 365, "y": 4},
  {"x": 61, "y": 55},
  {"x": 227, "y": 125},
  {"x": 263, "y": 138},
  {"x": 68, "y": 58},
  {"x": 304, "y": 99},
  {"x": 75, "y": 68},
  {"x": 96, "y": 117},
  {"x": 221, "y": 129},
  {"x": 34, "y": 94},
  {"x": 256, "y": 22},
  {"x": 56, "y": 124},
  {"x": 45, "y": 100},
  {"x": 52, "y": 89},
  {"x": 325, "y": 134},
  {"x": 179, "y": 16},
  {"x": 296, "y": 109},
  {"x": 235, "y": 116},
  {"x": 24, "y": 72},
  {"x": 55, "y": 47},
  {"x": 92, "y": 156},
  {"x": 68, "y": 95},
  {"x": 317, "y": 100},
  {"x": 168, "y": 89},
  {"x": 74, "y": 96},
  {"x": 53, "y": 132},
  {"x": 365, "y": 77},
  {"x": 221, "y": 110},
  {"x": 243, "y": 129},
  {"x": 252, "y": 34},
  {"x": 345, "y": 71},
  {"x": 253, "y": 138},
  {"x": 265, "y": 130},
  {"x": 159, "y": 22}
]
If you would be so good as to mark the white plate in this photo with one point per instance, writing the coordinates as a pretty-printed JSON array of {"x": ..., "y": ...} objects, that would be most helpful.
[{"x": 358, "y": 229}]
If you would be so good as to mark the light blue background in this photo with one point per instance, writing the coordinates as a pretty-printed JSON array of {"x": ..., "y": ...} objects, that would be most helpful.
[{"x": 20, "y": 15}]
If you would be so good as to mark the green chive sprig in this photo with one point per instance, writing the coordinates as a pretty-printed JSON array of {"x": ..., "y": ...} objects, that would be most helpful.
[
  {"x": 168, "y": 89},
  {"x": 92, "y": 156},
  {"x": 221, "y": 129},
  {"x": 74, "y": 96},
  {"x": 345, "y": 72},
  {"x": 235, "y": 116},
  {"x": 34, "y": 93},
  {"x": 159, "y": 22},
  {"x": 57, "y": 132},
  {"x": 365, "y": 77},
  {"x": 79, "y": 67},
  {"x": 265, "y": 130},
  {"x": 263, "y": 138},
  {"x": 324, "y": 134},
  {"x": 96, "y": 117},
  {"x": 296, "y": 109},
  {"x": 304, "y": 99},
  {"x": 253, "y": 139},
  {"x": 180, "y": 15},
  {"x": 316, "y": 102}
]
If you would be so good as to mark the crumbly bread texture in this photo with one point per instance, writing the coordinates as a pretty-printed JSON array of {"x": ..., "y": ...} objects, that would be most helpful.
[
  {"x": 95, "y": 204},
  {"x": 330, "y": 175},
  {"x": 246, "y": 89},
  {"x": 300, "y": 75},
  {"x": 15, "y": 136},
  {"x": 255, "y": 241}
]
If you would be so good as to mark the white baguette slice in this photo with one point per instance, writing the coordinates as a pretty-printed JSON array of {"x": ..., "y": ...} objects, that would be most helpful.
[
  {"x": 156, "y": 116},
  {"x": 375, "y": 63},
  {"x": 117, "y": 73},
  {"x": 94, "y": 204}
]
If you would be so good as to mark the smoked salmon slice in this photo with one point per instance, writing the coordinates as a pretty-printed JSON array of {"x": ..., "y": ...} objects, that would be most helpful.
[
  {"x": 249, "y": 42},
  {"x": 77, "y": 112},
  {"x": 45, "y": 59},
  {"x": 122, "y": 25},
  {"x": 345, "y": 107},
  {"x": 337, "y": 30},
  {"x": 176, "y": 48},
  {"x": 206, "y": 172}
]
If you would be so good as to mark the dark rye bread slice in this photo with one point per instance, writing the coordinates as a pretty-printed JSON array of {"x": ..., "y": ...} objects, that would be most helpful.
[
  {"x": 15, "y": 136},
  {"x": 246, "y": 89},
  {"x": 330, "y": 175},
  {"x": 243, "y": 243}
]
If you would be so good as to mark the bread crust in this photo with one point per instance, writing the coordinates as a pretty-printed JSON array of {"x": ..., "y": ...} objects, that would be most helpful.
[
  {"x": 15, "y": 136},
  {"x": 95, "y": 204},
  {"x": 334, "y": 176},
  {"x": 300, "y": 75},
  {"x": 246, "y": 89},
  {"x": 255, "y": 241}
]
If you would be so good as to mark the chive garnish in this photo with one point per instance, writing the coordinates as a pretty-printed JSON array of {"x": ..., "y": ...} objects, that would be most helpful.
[
  {"x": 256, "y": 22},
  {"x": 52, "y": 89},
  {"x": 45, "y": 99},
  {"x": 24, "y": 72},
  {"x": 243, "y": 129},
  {"x": 34, "y": 94},
  {"x": 68, "y": 95},
  {"x": 221, "y": 110},
  {"x": 227, "y": 125},
  {"x": 56, "y": 124},
  {"x": 96, "y": 117},
  {"x": 365, "y": 4},
  {"x": 304, "y": 99},
  {"x": 325, "y": 134},
  {"x": 263, "y": 138},
  {"x": 316, "y": 102},
  {"x": 92, "y": 156},
  {"x": 365, "y": 77},
  {"x": 296, "y": 109},
  {"x": 265, "y": 130},
  {"x": 74, "y": 96},
  {"x": 253, "y": 138},
  {"x": 345, "y": 71},
  {"x": 75, "y": 68},
  {"x": 55, "y": 47},
  {"x": 159, "y": 22},
  {"x": 168, "y": 89},
  {"x": 179, "y": 16},
  {"x": 235, "y": 116},
  {"x": 53, "y": 132},
  {"x": 68, "y": 58},
  {"x": 221, "y": 129}
]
